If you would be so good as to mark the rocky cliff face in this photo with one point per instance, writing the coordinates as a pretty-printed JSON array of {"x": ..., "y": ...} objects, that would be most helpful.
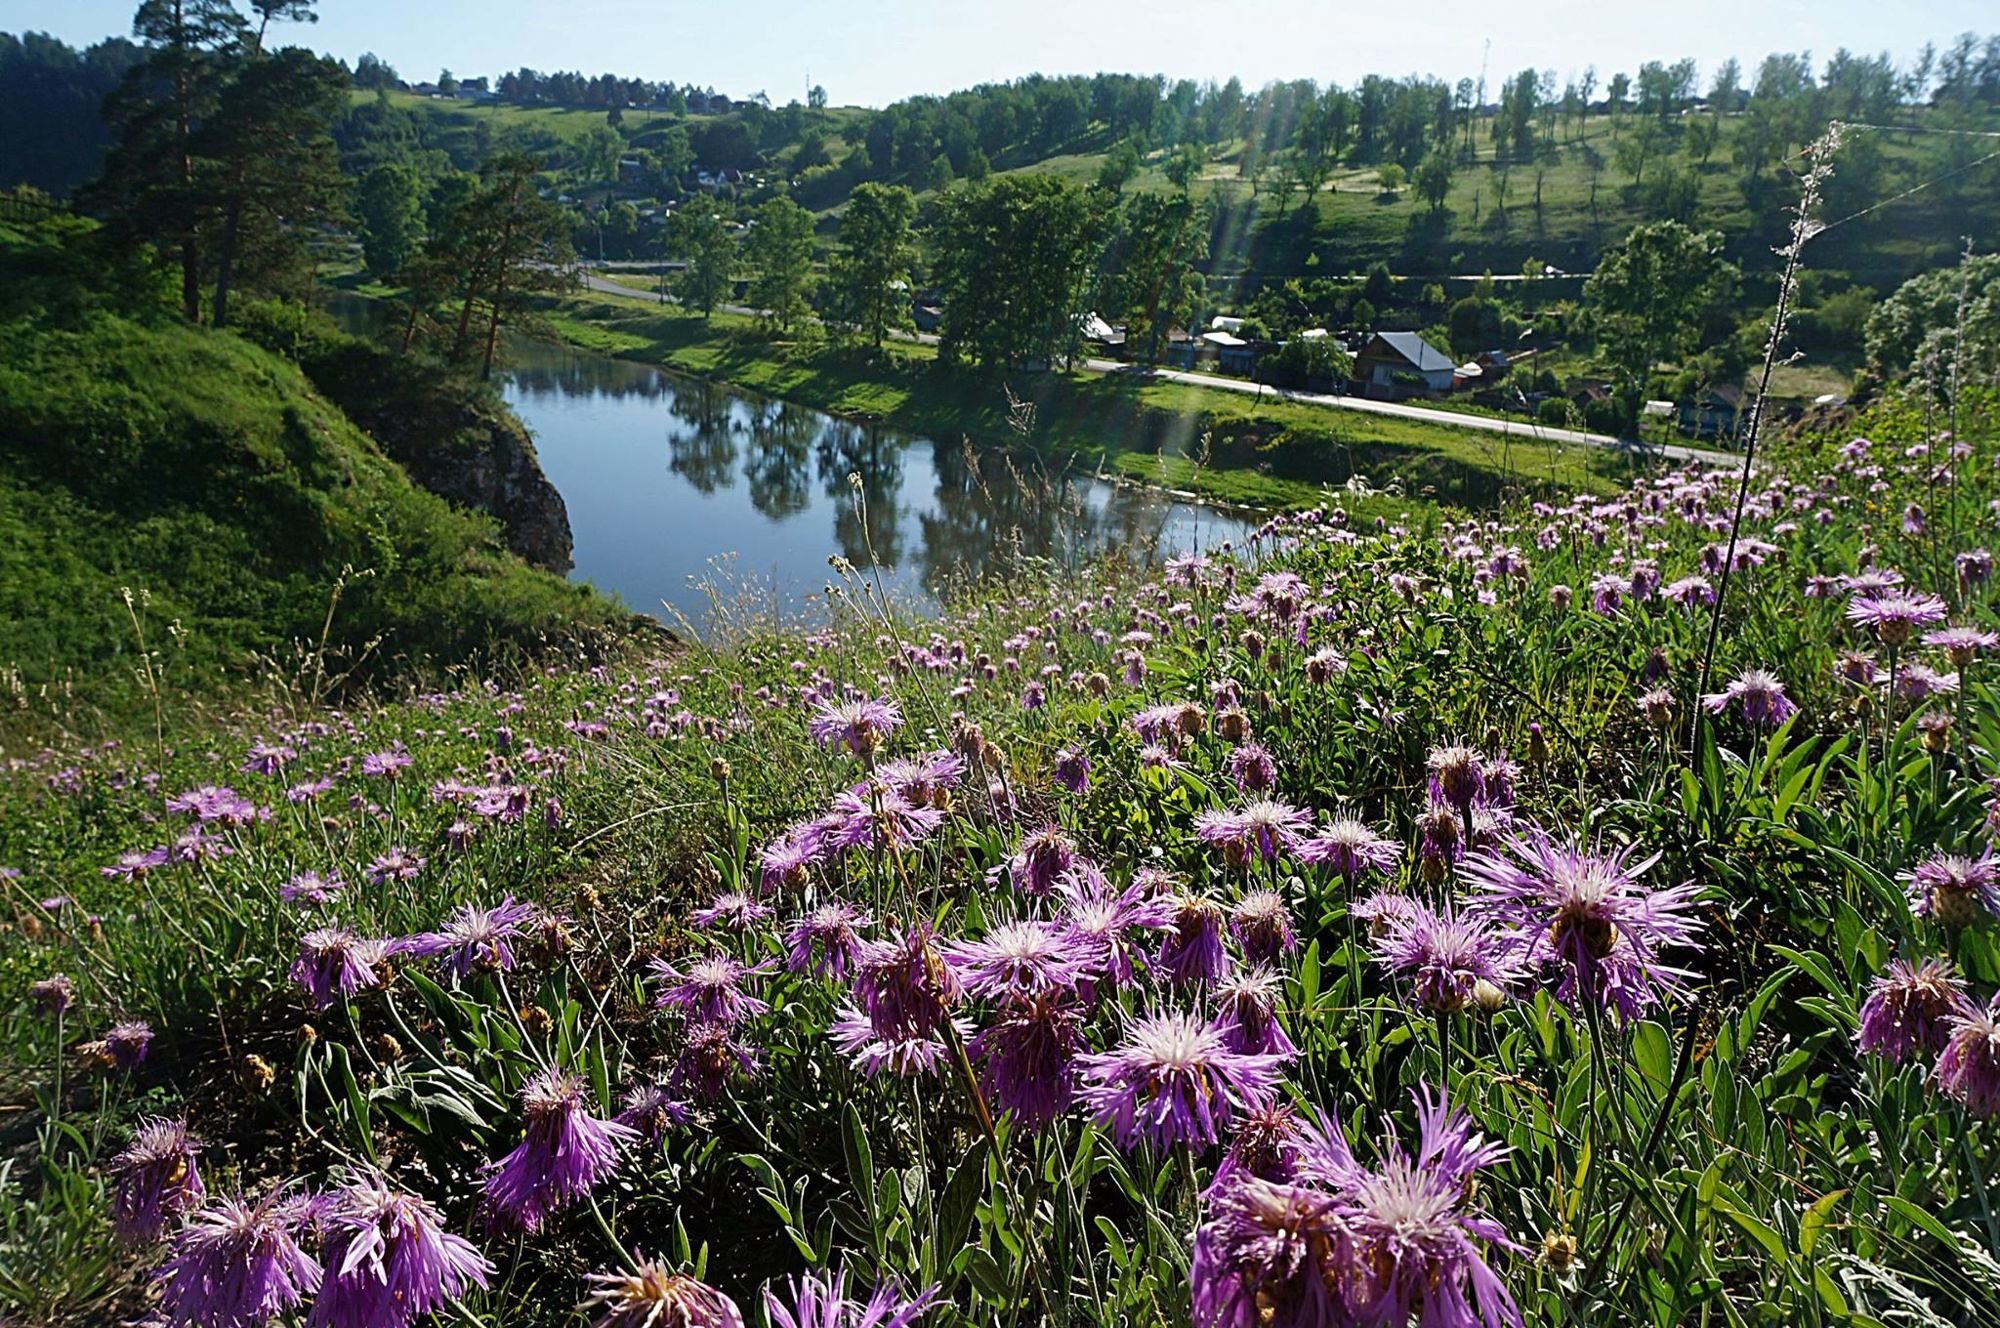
[
  {"x": 456, "y": 441},
  {"x": 488, "y": 463}
]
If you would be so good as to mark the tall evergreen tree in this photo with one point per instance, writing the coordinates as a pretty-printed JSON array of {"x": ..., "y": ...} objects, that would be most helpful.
[
  {"x": 150, "y": 184},
  {"x": 269, "y": 169}
]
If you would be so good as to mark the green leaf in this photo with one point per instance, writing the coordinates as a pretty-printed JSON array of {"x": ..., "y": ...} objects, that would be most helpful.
[
  {"x": 1815, "y": 967},
  {"x": 1813, "y": 1220},
  {"x": 1653, "y": 1050},
  {"x": 860, "y": 1158},
  {"x": 984, "y": 1270},
  {"x": 1922, "y": 1220},
  {"x": 1758, "y": 1230}
]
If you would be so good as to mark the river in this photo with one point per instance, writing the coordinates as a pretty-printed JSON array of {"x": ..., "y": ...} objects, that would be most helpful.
[{"x": 684, "y": 495}]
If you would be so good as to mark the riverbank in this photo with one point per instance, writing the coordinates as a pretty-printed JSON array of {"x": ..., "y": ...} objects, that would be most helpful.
[{"x": 1223, "y": 447}]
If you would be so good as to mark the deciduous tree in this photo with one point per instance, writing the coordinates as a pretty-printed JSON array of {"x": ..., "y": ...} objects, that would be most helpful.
[
  {"x": 701, "y": 236},
  {"x": 871, "y": 287},
  {"x": 781, "y": 249}
]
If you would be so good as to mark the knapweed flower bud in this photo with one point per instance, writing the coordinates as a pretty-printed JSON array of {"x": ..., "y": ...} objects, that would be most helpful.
[
  {"x": 256, "y": 1074},
  {"x": 718, "y": 770},
  {"x": 387, "y": 1048},
  {"x": 1658, "y": 708},
  {"x": 537, "y": 1021},
  {"x": 1559, "y": 1252},
  {"x": 1488, "y": 997},
  {"x": 1538, "y": 745},
  {"x": 53, "y": 994}
]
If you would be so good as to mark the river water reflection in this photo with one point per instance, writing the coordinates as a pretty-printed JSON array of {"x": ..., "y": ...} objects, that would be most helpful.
[
  {"x": 671, "y": 482},
  {"x": 681, "y": 492}
]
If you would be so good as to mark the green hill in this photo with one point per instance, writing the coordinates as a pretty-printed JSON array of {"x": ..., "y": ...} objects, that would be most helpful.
[{"x": 207, "y": 476}]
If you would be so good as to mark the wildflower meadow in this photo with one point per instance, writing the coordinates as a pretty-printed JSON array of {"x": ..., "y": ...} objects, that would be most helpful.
[{"x": 1583, "y": 914}]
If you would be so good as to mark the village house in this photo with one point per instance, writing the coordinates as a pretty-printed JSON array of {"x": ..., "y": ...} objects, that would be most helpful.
[
  {"x": 1394, "y": 365},
  {"x": 1715, "y": 412}
]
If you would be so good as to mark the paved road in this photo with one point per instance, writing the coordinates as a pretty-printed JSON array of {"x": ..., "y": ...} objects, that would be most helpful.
[
  {"x": 1491, "y": 424},
  {"x": 1525, "y": 429}
]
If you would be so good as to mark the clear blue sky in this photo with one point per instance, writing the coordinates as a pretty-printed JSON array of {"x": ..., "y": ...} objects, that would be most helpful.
[{"x": 872, "y": 51}]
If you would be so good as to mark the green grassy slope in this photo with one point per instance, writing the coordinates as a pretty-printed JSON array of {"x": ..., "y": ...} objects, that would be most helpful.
[{"x": 206, "y": 476}]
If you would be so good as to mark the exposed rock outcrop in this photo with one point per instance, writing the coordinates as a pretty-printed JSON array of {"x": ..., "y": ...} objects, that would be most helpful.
[
  {"x": 455, "y": 439},
  {"x": 488, "y": 462}
]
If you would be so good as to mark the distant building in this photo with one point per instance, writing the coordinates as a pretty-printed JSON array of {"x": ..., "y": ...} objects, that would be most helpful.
[
  {"x": 1716, "y": 412},
  {"x": 1394, "y": 365}
]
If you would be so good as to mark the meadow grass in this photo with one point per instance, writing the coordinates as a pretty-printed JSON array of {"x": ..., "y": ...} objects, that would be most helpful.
[{"x": 1704, "y": 1143}]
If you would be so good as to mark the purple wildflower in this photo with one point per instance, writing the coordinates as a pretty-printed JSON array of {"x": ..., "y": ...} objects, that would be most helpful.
[
  {"x": 1448, "y": 955},
  {"x": 1910, "y": 1008},
  {"x": 860, "y": 726},
  {"x": 53, "y": 994},
  {"x": 398, "y": 864},
  {"x": 1918, "y": 681},
  {"x": 1020, "y": 959},
  {"x": 1895, "y": 615},
  {"x": 1042, "y": 857},
  {"x": 924, "y": 781},
  {"x": 652, "y": 1297},
  {"x": 709, "y": 1058},
  {"x": 1441, "y": 836},
  {"x": 475, "y": 939},
  {"x": 1758, "y": 694},
  {"x": 1352, "y": 848},
  {"x": 820, "y": 1300},
  {"x": 1962, "y": 645},
  {"x": 386, "y": 765},
  {"x": 711, "y": 991},
  {"x": 1192, "y": 951},
  {"x": 1099, "y": 918},
  {"x": 128, "y": 1042},
  {"x": 784, "y": 860},
  {"x": 879, "y": 818},
  {"x": 1174, "y": 1080},
  {"x": 332, "y": 964},
  {"x": 158, "y": 1180},
  {"x": 268, "y": 758},
  {"x": 310, "y": 889},
  {"x": 1416, "y": 1241},
  {"x": 563, "y": 1154},
  {"x": 1247, "y": 1007},
  {"x": 1587, "y": 912},
  {"x": 1262, "y": 926},
  {"x": 236, "y": 1265},
  {"x": 834, "y": 927},
  {"x": 1253, "y": 769},
  {"x": 1457, "y": 776},
  {"x": 1261, "y": 829},
  {"x": 905, "y": 986},
  {"x": 1954, "y": 889},
  {"x": 1384, "y": 911},
  {"x": 1073, "y": 769},
  {"x": 1968, "y": 1068},
  {"x": 1271, "y": 1253},
  {"x": 855, "y": 1035},
  {"x": 651, "y": 1109},
  {"x": 390, "y": 1261},
  {"x": 1029, "y": 1053},
  {"x": 732, "y": 909}
]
